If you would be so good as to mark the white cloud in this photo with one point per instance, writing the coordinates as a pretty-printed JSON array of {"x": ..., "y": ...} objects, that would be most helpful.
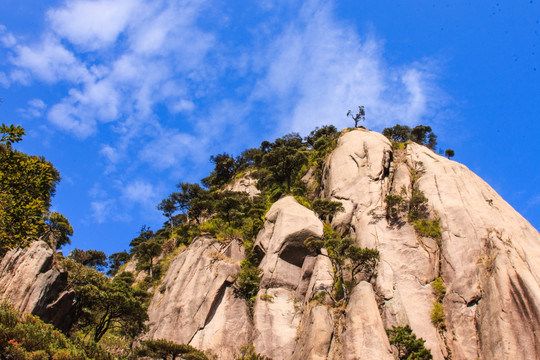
[
  {"x": 6, "y": 38},
  {"x": 35, "y": 109},
  {"x": 102, "y": 210},
  {"x": 92, "y": 24},
  {"x": 326, "y": 69},
  {"x": 171, "y": 149},
  {"x": 140, "y": 191},
  {"x": 51, "y": 62},
  {"x": 67, "y": 116},
  {"x": 122, "y": 59},
  {"x": 4, "y": 81}
]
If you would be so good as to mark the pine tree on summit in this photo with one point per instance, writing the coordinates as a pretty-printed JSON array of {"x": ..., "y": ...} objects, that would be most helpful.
[{"x": 361, "y": 115}]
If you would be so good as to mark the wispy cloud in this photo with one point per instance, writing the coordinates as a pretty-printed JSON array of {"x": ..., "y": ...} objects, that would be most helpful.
[
  {"x": 35, "y": 109},
  {"x": 140, "y": 191},
  {"x": 326, "y": 68},
  {"x": 169, "y": 87}
]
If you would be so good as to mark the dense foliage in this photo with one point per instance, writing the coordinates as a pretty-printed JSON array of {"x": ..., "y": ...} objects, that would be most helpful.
[
  {"x": 348, "y": 260},
  {"x": 408, "y": 346},
  {"x": 103, "y": 304},
  {"x": 27, "y": 184},
  {"x": 24, "y": 336},
  {"x": 420, "y": 134}
]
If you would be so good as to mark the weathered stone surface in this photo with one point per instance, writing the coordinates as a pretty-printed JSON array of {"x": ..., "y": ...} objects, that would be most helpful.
[
  {"x": 196, "y": 304},
  {"x": 316, "y": 331},
  {"x": 226, "y": 328},
  {"x": 364, "y": 336},
  {"x": 244, "y": 183},
  {"x": 357, "y": 174},
  {"x": 491, "y": 263},
  {"x": 288, "y": 224},
  {"x": 32, "y": 284},
  {"x": 489, "y": 256},
  {"x": 275, "y": 320}
]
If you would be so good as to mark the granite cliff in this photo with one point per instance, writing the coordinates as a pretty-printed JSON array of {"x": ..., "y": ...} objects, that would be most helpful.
[
  {"x": 479, "y": 250},
  {"x": 487, "y": 256}
]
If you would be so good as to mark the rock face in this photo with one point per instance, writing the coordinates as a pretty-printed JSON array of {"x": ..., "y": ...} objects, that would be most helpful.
[
  {"x": 196, "y": 303},
  {"x": 287, "y": 267},
  {"x": 32, "y": 284},
  {"x": 487, "y": 256},
  {"x": 245, "y": 183}
]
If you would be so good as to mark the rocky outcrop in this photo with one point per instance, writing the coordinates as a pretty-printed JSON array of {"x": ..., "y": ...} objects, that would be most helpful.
[
  {"x": 244, "y": 183},
  {"x": 196, "y": 303},
  {"x": 287, "y": 268},
  {"x": 364, "y": 336},
  {"x": 31, "y": 282},
  {"x": 488, "y": 257}
]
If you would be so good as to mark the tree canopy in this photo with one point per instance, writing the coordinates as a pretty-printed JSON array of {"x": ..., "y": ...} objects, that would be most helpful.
[
  {"x": 27, "y": 184},
  {"x": 103, "y": 304}
]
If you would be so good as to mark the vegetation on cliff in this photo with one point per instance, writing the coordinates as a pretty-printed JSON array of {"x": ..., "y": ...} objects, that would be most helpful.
[{"x": 115, "y": 308}]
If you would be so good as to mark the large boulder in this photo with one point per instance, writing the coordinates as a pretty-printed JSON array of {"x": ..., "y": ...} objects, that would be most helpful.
[
  {"x": 287, "y": 267},
  {"x": 196, "y": 303},
  {"x": 488, "y": 257},
  {"x": 30, "y": 281},
  {"x": 490, "y": 263}
]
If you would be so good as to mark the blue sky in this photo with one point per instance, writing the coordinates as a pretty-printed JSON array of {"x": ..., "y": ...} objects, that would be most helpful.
[{"x": 129, "y": 97}]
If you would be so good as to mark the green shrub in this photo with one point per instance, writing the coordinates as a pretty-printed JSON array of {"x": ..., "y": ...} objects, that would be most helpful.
[
  {"x": 247, "y": 281},
  {"x": 438, "y": 288},
  {"x": 396, "y": 145},
  {"x": 25, "y": 336},
  {"x": 327, "y": 209},
  {"x": 394, "y": 205},
  {"x": 437, "y": 315},
  {"x": 428, "y": 228},
  {"x": 246, "y": 352},
  {"x": 408, "y": 346},
  {"x": 267, "y": 297},
  {"x": 303, "y": 201},
  {"x": 417, "y": 205}
]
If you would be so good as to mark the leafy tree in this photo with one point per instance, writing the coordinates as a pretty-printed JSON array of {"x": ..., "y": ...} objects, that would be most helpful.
[
  {"x": 249, "y": 158},
  {"x": 232, "y": 206},
  {"x": 449, "y": 153},
  {"x": 420, "y": 133},
  {"x": 409, "y": 347},
  {"x": 168, "y": 206},
  {"x": 285, "y": 158},
  {"x": 394, "y": 204},
  {"x": 163, "y": 349},
  {"x": 317, "y": 137},
  {"x": 432, "y": 141},
  {"x": 57, "y": 230},
  {"x": 326, "y": 209},
  {"x": 418, "y": 205},
  {"x": 116, "y": 261},
  {"x": 103, "y": 304},
  {"x": 247, "y": 281},
  {"x": 146, "y": 247},
  {"x": 224, "y": 170},
  {"x": 400, "y": 133},
  {"x": 91, "y": 258},
  {"x": 25, "y": 336},
  {"x": 27, "y": 184},
  {"x": 345, "y": 256}
]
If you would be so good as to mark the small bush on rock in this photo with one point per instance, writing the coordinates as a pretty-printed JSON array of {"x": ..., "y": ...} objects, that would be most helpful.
[{"x": 409, "y": 347}]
